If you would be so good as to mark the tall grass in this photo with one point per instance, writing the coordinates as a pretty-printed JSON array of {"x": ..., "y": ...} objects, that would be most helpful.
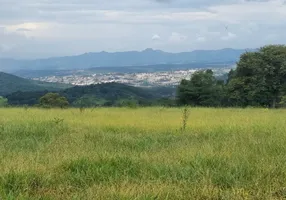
[{"x": 124, "y": 153}]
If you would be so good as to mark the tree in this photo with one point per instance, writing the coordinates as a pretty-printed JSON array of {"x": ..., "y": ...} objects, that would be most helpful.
[
  {"x": 53, "y": 100},
  {"x": 260, "y": 77},
  {"x": 282, "y": 103},
  {"x": 3, "y": 102},
  {"x": 201, "y": 90},
  {"x": 86, "y": 101},
  {"x": 131, "y": 103}
]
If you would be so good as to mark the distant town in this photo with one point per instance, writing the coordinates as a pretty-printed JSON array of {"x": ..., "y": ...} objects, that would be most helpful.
[{"x": 150, "y": 79}]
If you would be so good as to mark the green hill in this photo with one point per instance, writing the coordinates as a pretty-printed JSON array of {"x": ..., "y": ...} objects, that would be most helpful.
[
  {"x": 20, "y": 91},
  {"x": 109, "y": 94},
  {"x": 108, "y": 91},
  {"x": 10, "y": 84}
]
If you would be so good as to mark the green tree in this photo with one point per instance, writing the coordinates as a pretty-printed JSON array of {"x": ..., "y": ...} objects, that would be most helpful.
[
  {"x": 201, "y": 90},
  {"x": 260, "y": 77},
  {"x": 131, "y": 103},
  {"x": 86, "y": 101},
  {"x": 282, "y": 103},
  {"x": 3, "y": 102},
  {"x": 53, "y": 100}
]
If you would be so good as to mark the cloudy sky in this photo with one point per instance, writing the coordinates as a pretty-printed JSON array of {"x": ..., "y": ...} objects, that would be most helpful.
[{"x": 44, "y": 28}]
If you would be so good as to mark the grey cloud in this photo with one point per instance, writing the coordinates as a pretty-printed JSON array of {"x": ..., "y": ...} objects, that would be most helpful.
[
  {"x": 10, "y": 41},
  {"x": 87, "y": 11},
  {"x": 76, "y": 26},
  {"x": 163, "y": 1}
]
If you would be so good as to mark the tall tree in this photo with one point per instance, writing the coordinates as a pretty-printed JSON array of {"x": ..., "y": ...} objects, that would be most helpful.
[
  {"x": 260, "y": 77},
  {"x": 201, "y": 90}
]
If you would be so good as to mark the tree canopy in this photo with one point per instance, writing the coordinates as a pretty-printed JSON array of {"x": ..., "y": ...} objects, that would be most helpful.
[
  {"x": 201, "y": 90},
  {"x": 258, "y": 80},
  {"x": 260, "y": 77},
  {"x": 53, "y": 100},
  {"x": 3, "y": 102}
]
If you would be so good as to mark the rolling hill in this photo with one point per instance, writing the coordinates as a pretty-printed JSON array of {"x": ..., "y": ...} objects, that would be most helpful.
[
  {"x": 107, "y": 94},
  {"x": 10, "y": 84}
]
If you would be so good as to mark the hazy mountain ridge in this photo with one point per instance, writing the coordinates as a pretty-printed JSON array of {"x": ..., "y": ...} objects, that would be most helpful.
[{"x": 129, "y": 58}]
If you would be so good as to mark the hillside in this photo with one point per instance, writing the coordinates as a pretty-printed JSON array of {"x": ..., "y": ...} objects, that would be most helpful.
[
  {"x": 108, "y": 94},
  {"x": 129, "y": 58},
  {"x": 10, "y": 83}
]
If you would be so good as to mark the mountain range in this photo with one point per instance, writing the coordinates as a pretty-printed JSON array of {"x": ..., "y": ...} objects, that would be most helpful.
[{"x": 118, "y": 59}]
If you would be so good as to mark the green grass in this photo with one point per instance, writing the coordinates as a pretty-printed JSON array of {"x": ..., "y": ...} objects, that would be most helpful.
[{"x": 121, "y": 153}]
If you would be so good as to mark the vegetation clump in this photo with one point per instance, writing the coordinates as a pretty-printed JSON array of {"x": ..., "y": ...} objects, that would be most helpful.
[
  {"x": 53, "y": 100},
  {"x": 3, "y": 102}
]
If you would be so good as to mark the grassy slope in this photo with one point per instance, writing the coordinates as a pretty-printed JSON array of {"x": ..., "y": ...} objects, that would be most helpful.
[
  {"x": 113, "y": 153},
  {"x": 10, "y": 83}
]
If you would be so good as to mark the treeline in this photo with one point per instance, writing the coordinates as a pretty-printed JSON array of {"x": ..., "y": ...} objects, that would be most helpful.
[
  {"x": 259, "y": 80},
  {"x": 109, "y": 94}
]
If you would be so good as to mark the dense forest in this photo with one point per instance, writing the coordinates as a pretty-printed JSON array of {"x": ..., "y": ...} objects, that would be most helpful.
[{"x": 109, "y": 94}]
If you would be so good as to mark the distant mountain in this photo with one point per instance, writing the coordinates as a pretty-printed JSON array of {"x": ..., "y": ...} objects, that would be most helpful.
[
  {"x": 129, "y": 58},
  {"x": 10, "y": 83}
]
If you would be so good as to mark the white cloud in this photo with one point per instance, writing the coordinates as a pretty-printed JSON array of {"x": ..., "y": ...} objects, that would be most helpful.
[
  {"x": 229, "y": 36},
  {"x": 11, "y": 42},
  {"x": 177, "y": 37},
  {"x": 30, "y": 29},
  {"x": 156, "y": 37},
  {"x": 6, "y": 48},
  {"x": 273, "y": 11},
  {"x": 201, "y": 39}
]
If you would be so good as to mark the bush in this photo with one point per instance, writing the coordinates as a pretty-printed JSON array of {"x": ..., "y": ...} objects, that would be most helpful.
[
  {"x": 282, "y": 103},
  {"x": 53, "y": 100},
  {"x": 3, "y": 102}
]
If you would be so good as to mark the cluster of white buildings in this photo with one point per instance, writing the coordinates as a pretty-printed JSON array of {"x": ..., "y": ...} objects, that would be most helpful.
[{"x": 167, "y": 78}]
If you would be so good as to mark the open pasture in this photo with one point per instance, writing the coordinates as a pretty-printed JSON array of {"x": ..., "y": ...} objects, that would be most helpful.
[{"x": 123, "y": 153}]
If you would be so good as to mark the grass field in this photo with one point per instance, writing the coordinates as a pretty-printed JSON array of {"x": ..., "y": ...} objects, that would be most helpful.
[{"x": 121, "y": 153}]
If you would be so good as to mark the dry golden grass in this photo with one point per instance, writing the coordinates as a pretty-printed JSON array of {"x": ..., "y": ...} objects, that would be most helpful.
[{"x": 122, "y": 153}]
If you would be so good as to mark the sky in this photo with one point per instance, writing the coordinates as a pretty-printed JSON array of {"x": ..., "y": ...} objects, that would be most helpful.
[{"x": 46, "y": 28}]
